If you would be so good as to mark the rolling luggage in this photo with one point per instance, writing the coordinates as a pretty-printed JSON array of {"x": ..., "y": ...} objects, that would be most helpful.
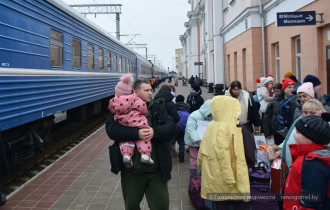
[{"x": 260, "y": 178}]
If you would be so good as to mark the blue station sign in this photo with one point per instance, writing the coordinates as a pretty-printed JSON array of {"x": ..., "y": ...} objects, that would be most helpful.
[
  {"x": 296, "y": 18},
  {"x": 198, "y": 63}
]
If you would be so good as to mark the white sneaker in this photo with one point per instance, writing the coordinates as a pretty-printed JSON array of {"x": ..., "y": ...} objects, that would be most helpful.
[
  {"x": 127, "y": 160},
  {"x": 146, "y": 159}
]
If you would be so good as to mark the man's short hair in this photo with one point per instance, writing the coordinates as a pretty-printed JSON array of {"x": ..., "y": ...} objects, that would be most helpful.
[{"x": 139, "y": 82}]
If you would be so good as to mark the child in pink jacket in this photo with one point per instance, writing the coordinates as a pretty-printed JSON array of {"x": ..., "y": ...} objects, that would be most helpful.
[{"x": 129, "y": 110}]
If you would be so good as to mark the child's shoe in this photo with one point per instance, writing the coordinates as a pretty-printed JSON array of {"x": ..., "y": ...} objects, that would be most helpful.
[
  {"x": 127, "y": 160},
  {"x": 146, "y": 159}
]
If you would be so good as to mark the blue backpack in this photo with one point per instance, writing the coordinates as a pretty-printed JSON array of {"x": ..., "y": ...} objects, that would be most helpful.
[{"x": 183, "y": 120}]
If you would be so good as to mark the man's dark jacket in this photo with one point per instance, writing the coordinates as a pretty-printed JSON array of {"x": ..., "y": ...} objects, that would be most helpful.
[{"x": 164, "y": 131}]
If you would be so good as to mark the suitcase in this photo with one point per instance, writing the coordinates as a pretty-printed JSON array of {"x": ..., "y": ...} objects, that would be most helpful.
[
  {"x": 260, "y": 178},
  {"x": 194, "y": 192}
]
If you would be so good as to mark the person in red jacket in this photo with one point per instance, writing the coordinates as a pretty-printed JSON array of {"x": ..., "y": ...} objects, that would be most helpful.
[{"x": 308, "y": 183}]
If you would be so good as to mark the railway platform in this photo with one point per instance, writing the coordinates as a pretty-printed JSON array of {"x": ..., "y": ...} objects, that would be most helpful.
[{"x": 81, "y": 179}]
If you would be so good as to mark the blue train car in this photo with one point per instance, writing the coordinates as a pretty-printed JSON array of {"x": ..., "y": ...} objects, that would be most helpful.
[
  {"x": 144, "y": 68},
  {"x": 52, "y": 59}
]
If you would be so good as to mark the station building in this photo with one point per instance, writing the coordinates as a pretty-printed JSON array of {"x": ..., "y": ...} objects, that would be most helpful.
[
  {"x": 179, "y": 61},
  {"x": 240, "y": 40}
]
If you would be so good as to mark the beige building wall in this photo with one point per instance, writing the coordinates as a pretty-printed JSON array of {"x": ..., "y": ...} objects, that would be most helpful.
[
  {"x": 178, "y": 61},
  {"x": 313, "y": 45},
  {"x": 244, "y": 58},
  {"x": 244, "y": 52}
]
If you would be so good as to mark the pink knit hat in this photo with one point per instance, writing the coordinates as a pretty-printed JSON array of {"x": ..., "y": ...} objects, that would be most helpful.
[
  {"x": 124, "y": 87},
  {"x": 306, "y": 87}
]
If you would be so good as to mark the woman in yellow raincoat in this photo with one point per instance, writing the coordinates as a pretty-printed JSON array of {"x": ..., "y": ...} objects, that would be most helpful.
[{"x": 225, "y": 177}]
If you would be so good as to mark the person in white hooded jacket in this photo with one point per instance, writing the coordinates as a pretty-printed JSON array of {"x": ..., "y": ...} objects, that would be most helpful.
[
  {"x": 264, "y": 92},
  {"x": 191, "y": 136},
  {"x": 249, "y": 117},
  {"x": 265, "y": 95}
]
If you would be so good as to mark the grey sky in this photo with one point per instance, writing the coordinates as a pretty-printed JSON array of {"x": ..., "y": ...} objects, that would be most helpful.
[{"x": 160, "y": 23}]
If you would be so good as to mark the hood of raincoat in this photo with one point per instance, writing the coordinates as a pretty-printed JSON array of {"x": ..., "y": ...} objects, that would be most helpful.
[
  {"x": 221, "y": 153},
  {"x": 225, "y": 109}
]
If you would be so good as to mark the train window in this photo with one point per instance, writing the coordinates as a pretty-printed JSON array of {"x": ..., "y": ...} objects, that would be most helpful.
[
  {"x": 90, "y": 57},
  {"x": 101, "y": 62},
  {"x": 119, "y": 63},
  {"x": 76, "y": 54},
  {"x": 109, "y": 61},
  {"x": 127, "y": 65},
  {"x": 132, "y": 64},
  {"x": 56, "y": 49},
  {"x": 123, "y": 64},
  {"x": 115, "y": 63}
]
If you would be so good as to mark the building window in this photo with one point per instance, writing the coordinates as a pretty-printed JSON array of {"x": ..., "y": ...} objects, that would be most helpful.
[
  {"x": 225, "y": 5},
  {"x": 109, "y": 61},
  {"x": 56, "y": 49},
  {"x": 76, "y": 54},
  {"x": 298, "y": 58},
  {"x": 90, "y": 57},
  {"x": 244, "y": 68},
  {"x": 277, "y": 61},
  {"x": 101, "y": 63},
  {"x": 177, "y": 64},
  {"x": 228, "y": 68},
  {"x": 235, "y": 66}
]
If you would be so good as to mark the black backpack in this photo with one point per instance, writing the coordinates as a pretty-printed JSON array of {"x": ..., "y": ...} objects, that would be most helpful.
[{"x": 159, "y": 110}]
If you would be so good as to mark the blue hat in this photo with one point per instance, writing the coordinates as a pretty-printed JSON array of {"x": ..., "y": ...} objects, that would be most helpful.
[{"x": 312, "y": 79}]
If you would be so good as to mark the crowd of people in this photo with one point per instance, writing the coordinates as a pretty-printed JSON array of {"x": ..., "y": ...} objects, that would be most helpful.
[
  {"x": 146, "y": 128},
  {"x": 294, "y": 114}
]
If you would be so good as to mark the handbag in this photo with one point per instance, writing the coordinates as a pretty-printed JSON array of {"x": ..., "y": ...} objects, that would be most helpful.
[
  {"x": 116, "y": 159},
  {"x": 278, "y": 175},
  {"x": 194, "y": 192}
]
